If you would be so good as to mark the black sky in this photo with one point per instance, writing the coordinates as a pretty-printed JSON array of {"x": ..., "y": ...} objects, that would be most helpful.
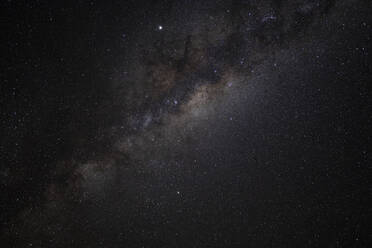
[{"x": 185, "y": 123}]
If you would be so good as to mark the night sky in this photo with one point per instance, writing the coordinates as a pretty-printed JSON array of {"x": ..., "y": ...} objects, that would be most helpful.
[{"x": 185, "y": 123}]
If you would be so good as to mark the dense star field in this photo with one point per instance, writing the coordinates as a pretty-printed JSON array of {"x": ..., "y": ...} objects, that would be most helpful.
[{"x": 185, "y": 123}]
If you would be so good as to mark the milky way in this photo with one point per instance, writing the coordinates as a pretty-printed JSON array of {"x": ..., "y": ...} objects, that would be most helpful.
[{"x": 190, "y": 124}]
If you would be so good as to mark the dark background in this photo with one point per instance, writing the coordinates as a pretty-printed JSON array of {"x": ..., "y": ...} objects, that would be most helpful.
[{"x": 287, "y": 166}]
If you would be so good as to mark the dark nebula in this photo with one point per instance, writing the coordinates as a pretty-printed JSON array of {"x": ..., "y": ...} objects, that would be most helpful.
[{"x": 185, "y": 123}]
